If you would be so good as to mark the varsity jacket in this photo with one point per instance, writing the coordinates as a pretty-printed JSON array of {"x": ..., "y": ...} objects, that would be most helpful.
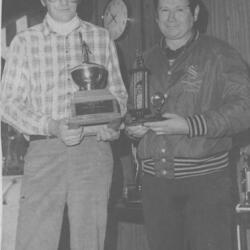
[{"x": 209, "y": 85}]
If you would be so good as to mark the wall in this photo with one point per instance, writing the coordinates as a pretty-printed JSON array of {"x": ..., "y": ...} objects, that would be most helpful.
[{"x": 230, "y": 20}]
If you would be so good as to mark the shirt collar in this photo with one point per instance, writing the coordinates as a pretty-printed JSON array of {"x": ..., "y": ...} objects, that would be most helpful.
[{"x": 46, "y": 29}]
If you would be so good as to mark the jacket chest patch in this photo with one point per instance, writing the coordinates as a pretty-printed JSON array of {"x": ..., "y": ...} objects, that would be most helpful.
[{"x": 192, "y": 79}]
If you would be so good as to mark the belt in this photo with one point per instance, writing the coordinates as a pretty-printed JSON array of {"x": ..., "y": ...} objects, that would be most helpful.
[{"x": 41, "y": 137}]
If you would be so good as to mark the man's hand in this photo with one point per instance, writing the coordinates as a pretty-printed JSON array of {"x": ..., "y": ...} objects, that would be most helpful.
[
  {"x": 173, "y": 125},
  {"x": 70, "y": 135},
  {"x": 106, "y": 133},
  {"x": 136, "y": 131}
]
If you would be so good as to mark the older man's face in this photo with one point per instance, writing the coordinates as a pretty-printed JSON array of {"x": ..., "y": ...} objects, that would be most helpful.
[
  {"x": 61, "y": 10},
  {"x": 175, "y": 19}
]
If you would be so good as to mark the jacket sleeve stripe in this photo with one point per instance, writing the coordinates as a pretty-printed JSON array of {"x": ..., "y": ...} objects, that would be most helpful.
[{"x": 197, "y": 125}]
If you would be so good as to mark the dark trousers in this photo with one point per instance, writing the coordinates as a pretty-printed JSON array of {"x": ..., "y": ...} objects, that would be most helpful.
[{"x": 194, "y": 213}]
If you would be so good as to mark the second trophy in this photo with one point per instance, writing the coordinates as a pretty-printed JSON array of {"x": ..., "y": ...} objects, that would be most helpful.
[{"x": 140, "y": 98}]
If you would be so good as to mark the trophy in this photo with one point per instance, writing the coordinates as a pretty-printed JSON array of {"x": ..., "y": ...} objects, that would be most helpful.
[
  {"x": 139, "y": 108},
  {"x": 93, "y": 104}
]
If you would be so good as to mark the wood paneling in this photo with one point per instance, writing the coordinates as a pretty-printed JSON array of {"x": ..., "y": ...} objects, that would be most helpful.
[{"x": 230, "y": 21}]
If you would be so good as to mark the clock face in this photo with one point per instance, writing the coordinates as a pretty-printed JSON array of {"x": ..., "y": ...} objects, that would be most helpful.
[{"x": 115, "y": 18}]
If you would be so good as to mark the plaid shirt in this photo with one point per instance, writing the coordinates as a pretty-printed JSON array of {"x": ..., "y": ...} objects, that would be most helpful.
[{"x": 36, "y": 84}]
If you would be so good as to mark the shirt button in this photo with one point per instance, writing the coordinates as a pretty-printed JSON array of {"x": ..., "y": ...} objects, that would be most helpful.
[
  {"x": 163, "y": 150},
  {"x": 163, "y": 160},
  {"x": 164, "y": 172}
]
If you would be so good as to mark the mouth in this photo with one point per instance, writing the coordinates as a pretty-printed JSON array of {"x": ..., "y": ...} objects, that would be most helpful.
[
  {"x": 172, "y": 26},
  {"x": 63, "y": 9}
]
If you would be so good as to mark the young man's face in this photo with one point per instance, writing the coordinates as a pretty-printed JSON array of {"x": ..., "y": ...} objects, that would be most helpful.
[
  {"x": 175, "y": 19},
  {"x": 61, "y": 10}
]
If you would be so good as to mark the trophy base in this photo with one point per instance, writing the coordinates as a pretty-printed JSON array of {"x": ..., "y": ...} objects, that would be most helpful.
[
  {"x": 94, "y": 119},
  {"x": 134, "y": 121},
  {"x": 94, "y": 107},
  {"x": 132, "y": 194}
]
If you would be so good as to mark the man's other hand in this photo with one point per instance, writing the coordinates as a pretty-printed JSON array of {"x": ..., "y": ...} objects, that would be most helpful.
[
  {"x": 106, "y": 133},
  {"x": 136, "y": 131}
]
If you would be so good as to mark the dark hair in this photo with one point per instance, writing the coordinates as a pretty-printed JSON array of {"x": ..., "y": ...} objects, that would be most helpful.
[{"x": 192, "y": 4}]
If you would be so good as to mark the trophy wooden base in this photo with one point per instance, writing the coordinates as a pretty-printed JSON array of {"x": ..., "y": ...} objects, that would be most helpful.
[
  {"x": 132, "y": 194},
  {"x": 94, "y": 107}
]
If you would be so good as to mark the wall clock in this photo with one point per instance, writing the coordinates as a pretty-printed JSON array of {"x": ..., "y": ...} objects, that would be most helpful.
[{"x": 115, "y": 18}]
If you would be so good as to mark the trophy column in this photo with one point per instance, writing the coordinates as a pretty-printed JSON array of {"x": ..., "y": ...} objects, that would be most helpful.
[
  {"x": 139, "y": 93},
  {"x": 138, "y": 110}
]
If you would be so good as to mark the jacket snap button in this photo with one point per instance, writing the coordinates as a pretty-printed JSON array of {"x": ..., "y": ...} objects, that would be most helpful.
[
  {"x": 164, "y": 172},
  {"x": 163, "y": 160}
]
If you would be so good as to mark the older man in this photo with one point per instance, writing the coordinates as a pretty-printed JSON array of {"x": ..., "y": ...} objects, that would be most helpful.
[{"x": 186, "y": 185}]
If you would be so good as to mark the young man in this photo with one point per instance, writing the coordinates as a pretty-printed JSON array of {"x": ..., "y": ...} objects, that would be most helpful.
[
  {"x": 62, "y": 165},
  {"x": 186, "y": 185}
]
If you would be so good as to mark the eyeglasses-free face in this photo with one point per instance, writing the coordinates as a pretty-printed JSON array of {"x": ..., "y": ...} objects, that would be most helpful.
[
  {"x": 176, "y": 20},
  {"x": 61, "y": 10}
]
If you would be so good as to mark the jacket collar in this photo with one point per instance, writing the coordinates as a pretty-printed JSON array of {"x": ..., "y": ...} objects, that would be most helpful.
[{"x": 194, "y": 37}]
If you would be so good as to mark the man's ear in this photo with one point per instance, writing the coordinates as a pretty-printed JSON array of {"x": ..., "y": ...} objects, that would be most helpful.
[{"x": 196, "y": 12}]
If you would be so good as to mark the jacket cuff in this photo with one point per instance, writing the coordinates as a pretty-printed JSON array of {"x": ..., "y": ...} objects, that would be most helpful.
[{"x": 197, "y": 125}]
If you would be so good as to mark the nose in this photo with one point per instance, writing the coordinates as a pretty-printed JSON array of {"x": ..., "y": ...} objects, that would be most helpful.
[
  {"x": 64, "y": 2},
  {"x": 171, "y": 15}
]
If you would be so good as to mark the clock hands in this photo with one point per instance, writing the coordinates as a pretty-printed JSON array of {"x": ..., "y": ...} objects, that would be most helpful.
[{"x": 113, "y": 17}]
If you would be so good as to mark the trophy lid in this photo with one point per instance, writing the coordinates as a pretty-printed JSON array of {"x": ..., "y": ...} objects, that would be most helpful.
[{"x": 139, "y": 65}]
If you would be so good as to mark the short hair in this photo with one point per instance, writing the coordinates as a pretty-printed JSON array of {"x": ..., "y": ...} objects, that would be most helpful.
[{"x": 192, "y": 4}]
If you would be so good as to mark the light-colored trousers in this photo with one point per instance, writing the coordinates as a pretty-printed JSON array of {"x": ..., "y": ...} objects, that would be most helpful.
[{"x": 54, "y": 175}]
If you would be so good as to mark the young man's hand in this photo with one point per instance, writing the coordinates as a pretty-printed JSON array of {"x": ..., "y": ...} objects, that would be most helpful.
[
  {"x": 106, "y": 133},
  {"x": 70, "y": 135}
]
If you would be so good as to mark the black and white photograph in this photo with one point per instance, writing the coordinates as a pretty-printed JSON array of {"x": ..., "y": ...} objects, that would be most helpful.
[{"x": 125, "y": 125}]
